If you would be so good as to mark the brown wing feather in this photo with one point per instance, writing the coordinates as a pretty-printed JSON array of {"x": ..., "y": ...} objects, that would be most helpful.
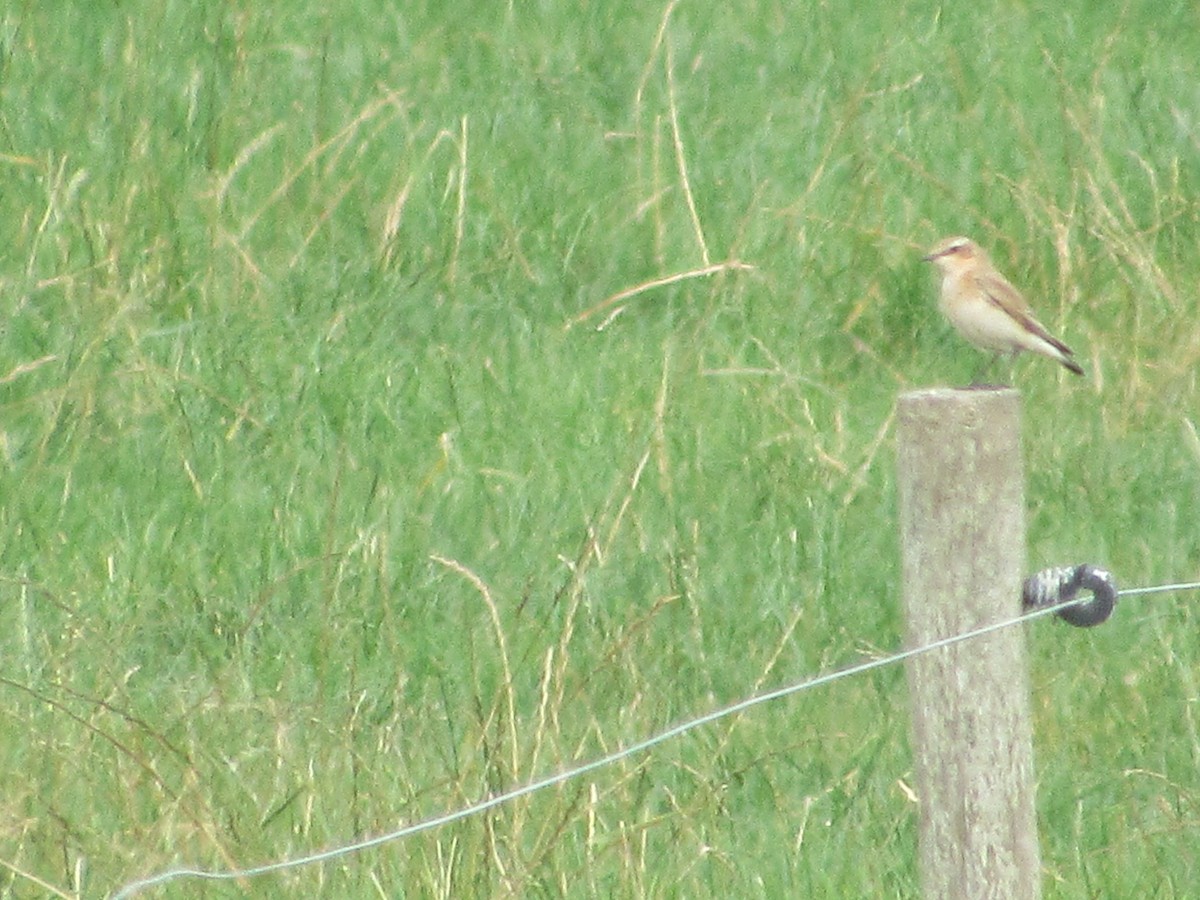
[{"x": 1008, "y": 298}]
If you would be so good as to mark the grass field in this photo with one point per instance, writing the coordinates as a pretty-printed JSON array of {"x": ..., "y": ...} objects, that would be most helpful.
[{"x": 356, "y": 465}]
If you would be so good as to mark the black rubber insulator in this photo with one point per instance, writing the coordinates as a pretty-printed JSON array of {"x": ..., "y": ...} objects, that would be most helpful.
[{"x": 1050, "y": 587}]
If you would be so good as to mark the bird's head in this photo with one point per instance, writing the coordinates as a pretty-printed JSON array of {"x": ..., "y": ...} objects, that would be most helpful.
[{"x": 954, "y": 254}]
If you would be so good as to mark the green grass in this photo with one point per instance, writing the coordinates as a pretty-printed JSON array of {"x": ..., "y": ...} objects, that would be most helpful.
[{"x": 328, "y": 505}]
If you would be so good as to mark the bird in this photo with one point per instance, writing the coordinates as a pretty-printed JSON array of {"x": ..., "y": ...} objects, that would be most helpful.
[{"x": 987, "y": 310}]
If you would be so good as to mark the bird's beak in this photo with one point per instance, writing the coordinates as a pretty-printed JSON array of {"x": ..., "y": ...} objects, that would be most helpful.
[{"x": 929, "y": 257}]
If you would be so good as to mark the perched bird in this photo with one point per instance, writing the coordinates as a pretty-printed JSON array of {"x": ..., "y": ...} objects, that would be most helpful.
[{"x": 988, "y": 311}]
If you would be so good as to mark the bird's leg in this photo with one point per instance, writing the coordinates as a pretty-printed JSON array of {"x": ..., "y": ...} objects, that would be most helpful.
[{"x": 988, "y": 363}]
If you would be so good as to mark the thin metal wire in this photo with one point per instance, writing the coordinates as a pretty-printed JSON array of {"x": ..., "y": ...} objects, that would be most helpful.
[
  {"x": 618, "y": 755},
  {"x": 1161, "y": 589}
]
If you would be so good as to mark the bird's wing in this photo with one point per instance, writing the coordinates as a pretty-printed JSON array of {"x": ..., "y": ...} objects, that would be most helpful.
[{"x": 1002, "y": 294}]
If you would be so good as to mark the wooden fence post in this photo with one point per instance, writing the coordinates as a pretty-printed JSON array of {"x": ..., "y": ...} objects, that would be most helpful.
[{"x": 962, "y": 527}]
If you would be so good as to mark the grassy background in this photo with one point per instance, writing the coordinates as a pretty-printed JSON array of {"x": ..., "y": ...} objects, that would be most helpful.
[{"x": 338, "y": 490}]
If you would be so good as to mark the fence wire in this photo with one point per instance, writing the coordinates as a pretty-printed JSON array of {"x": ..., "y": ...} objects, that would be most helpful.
[{"x": 618, "y": 755}]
